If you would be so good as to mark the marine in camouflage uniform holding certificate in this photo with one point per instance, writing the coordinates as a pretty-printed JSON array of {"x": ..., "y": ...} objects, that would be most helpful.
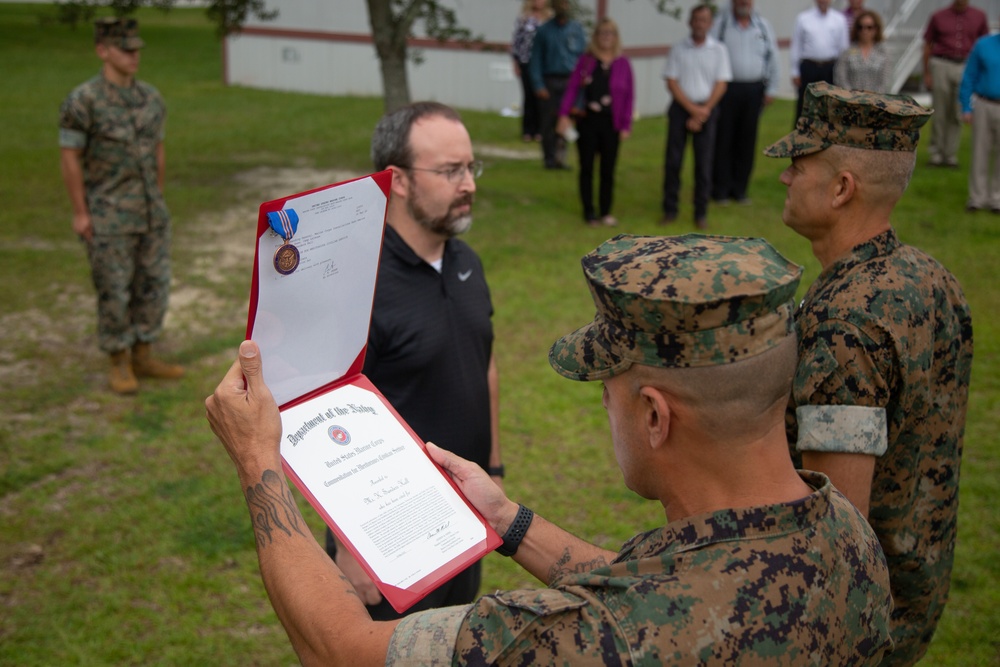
[
  {"x": 111, "y": 132},
  {"x": 755, "y": 564}
]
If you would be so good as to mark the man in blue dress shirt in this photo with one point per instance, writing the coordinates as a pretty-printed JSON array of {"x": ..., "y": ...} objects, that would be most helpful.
[{"x": 979, "y": 96}]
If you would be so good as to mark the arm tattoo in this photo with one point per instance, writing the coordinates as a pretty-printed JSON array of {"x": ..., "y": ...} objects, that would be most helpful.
[
  {"x": 348, "y": 586},
  {"x": 272, "y": 507},
  {"x": 565, "y": 566}
]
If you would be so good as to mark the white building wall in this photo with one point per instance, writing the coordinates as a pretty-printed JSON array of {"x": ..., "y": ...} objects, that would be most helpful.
[
  {"x": 325, "y": 47},
  {"x": 303, "y": 65}
]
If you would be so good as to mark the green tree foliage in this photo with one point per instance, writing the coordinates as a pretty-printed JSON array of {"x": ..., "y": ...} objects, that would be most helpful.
[{"x": 227, "y": 15}]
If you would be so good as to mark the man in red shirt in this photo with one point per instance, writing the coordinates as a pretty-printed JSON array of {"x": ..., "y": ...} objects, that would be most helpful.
[{"x": 948, "y": 40}]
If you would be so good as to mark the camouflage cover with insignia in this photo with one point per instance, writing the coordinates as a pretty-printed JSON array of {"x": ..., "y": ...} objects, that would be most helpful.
[
  {"x": 118, "y": 31},
  {"x": 888, "y": 327},
  {"x": 854, "y": 118},
  {"x": 118, "y": 130},
  {"x": 799, "y": 583},
  {"x": 679, "y": 301}
]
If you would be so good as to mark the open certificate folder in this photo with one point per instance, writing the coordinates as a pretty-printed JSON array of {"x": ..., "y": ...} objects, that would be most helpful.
[{"x": 345, "y": 448}]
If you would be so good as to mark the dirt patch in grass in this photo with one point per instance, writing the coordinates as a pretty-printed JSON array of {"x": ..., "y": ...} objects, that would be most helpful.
[
  {"x": 222, "y": 253},
  {"x": 63, "y": 330},
  {"x": 527, "y": 153},
  {"x": 49, "y": 351}
]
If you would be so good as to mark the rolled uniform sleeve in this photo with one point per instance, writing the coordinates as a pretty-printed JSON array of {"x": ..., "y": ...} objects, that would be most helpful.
[
  {"x": 74, "y": 122},
  {"x": 842, "y": 429},
  {"x": 546, "y": 626},
  {"x": 560, "y": 626},
  {"x": 72, "y": 139},
  {"x": 839, "y": 391},
  {"x": 426, "y": 638}
]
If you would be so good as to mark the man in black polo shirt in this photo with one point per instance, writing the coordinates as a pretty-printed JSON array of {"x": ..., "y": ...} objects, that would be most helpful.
[{"x": 431, "y": 338}]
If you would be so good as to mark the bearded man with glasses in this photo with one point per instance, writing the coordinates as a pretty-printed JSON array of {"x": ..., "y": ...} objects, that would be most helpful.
[{"x": 431, "y": 337}]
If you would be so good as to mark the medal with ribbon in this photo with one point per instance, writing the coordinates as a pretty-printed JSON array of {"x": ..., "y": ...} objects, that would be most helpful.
[{"x": 285, "y": 223}]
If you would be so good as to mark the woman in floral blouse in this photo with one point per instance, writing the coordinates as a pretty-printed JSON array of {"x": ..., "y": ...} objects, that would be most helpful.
[{"x": 865, "y": 64}]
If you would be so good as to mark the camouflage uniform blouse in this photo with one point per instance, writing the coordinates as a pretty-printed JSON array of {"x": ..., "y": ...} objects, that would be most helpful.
[
  {"x": 119, "y": 130},
  {"x": 800, "y": 583},
  {"x": 888, "y": 327}
]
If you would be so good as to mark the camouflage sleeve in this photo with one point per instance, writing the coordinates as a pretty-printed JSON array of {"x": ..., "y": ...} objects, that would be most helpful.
[
  {"x": 426, "y": 638},
  {"x": 72, "y": 139},
  {"x": 842, "y": 428},
  {"x": 155, "y": 94},
  {"x": 839, "y": 364},
  {"x": 74, "y": 122},
  {"x": 544, "y": 623},
  {"x": 156, "y": 100},
  {"x": 540, "y": 626}
]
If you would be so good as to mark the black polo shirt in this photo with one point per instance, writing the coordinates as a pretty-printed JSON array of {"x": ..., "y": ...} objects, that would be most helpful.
[{"x": 430, "y": 342}]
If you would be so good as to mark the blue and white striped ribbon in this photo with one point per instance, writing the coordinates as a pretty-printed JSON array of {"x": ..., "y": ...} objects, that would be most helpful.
[{"x": 284, "y": 222}]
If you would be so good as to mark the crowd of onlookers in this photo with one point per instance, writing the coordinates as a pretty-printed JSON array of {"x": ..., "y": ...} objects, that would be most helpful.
[{"x": 722, "y": 75}]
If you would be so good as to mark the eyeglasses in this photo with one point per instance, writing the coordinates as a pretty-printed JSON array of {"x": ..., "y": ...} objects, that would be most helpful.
[{"x": 456, "y": 173}]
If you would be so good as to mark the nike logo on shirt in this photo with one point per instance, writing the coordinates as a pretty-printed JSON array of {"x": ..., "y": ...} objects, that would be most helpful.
[{"x": 464, "y": 275}]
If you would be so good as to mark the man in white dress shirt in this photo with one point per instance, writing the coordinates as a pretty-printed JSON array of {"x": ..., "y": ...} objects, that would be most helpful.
[
  {"x": 820, "y": 34},
  {"x": 697, "y": 72}
]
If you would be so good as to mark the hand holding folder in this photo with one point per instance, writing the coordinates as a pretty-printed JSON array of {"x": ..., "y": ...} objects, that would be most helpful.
[{"x": 345, "y": 448}]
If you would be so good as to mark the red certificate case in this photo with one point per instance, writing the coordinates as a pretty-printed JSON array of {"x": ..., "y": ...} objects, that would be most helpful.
[{"x": 343, "y": 446}]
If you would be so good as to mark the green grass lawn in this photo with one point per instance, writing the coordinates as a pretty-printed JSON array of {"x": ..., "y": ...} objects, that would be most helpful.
[{"x": 125, "y": 539}]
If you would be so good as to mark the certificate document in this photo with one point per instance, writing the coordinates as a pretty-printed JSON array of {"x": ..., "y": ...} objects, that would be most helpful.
[
  {"x": 345, "y": 448},
  {"x": 377, "y": 485}
]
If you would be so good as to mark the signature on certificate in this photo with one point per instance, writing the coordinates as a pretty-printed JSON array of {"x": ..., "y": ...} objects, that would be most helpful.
[{"x": 438, "y": 529}]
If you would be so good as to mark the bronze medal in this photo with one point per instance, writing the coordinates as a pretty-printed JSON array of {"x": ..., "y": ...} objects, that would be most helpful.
[
  {"x": 285, "y": 223},
  {"x": 286, "y": 258}
]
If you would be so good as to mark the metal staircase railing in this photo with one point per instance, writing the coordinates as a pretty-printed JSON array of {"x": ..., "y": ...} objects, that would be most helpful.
[
  {"x": 900, "y": 30},
  {"x": 905, "y": 21}
]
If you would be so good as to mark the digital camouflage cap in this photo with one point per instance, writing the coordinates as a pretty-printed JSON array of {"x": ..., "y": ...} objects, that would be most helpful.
[
  {"x": 853, "y": 118},
  {"x": 679, "y": 301},
  {"x": 120, "y": 32}
]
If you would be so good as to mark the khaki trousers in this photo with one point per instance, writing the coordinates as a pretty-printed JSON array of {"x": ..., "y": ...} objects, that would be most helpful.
[
  {"x": 946, "y": 128},
  {"x": 984, "y": 183}
]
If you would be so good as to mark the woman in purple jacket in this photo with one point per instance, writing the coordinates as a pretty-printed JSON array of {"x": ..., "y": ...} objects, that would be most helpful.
[{"x": 599, "y": 96}]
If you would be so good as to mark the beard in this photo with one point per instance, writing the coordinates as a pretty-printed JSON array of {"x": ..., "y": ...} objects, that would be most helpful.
[{"x": 450, "y": 224}]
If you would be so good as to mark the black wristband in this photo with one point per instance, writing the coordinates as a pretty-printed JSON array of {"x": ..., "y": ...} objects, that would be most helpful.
[
  {"x": 495, "y": 471},
  {"x": 512, "y": 538}
]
